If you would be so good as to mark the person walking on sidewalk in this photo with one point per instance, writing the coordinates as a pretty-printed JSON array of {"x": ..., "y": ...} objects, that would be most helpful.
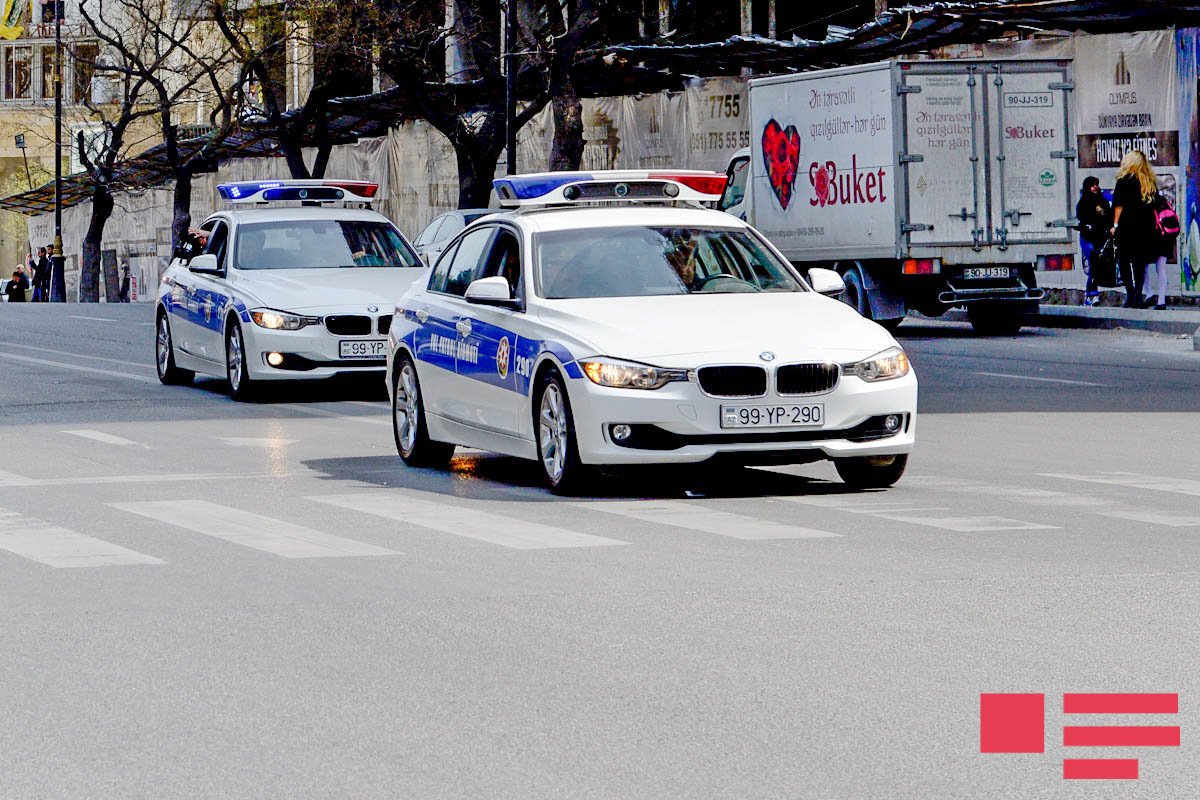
[
  {"x": 1095, "y": 219},
  {"x": 41, "y": 277},
  {"x": 1138, "y": 244}
]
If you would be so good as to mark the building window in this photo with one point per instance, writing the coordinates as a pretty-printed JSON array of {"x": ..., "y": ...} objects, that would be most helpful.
[
  {"x": 18, "y": 73},
  {"x": 48, "y": 71},
  {"x": 86, "y": 55}
]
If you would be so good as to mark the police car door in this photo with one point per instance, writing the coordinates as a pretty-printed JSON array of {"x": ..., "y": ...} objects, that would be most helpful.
[
  {"x": 498, "y": 404},
  {"x": 209, "y": 298},
  {"x": 440, "y": 338},
  {"x": 179, "y": 303}
]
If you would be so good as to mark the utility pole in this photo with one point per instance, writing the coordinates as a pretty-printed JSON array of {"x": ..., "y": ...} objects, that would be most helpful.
[
  {"x": 58, "y": 283},
  {"x": 510, "y": 90}
]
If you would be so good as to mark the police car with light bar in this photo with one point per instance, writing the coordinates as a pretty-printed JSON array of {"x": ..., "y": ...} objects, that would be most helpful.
[
  {"x": 610, "y": 318},
  {"x": 295, "y": 280}
]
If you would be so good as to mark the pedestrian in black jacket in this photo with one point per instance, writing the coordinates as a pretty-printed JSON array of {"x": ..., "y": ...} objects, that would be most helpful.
[
  {"x": 1095, "y": 219},
  {"x": 41, "y": 277},
  {"x": 1138, "y": 242},
  {"x": 15, "y": 290}
]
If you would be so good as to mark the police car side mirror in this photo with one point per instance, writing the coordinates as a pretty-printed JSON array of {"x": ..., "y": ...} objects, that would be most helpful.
[
  {"x": 826, "y": 281},
  {"x": 493, "y": 291},
  {"x": 205, "y": 264}
]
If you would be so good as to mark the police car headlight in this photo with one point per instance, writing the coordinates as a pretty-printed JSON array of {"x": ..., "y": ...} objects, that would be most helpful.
[
  {"x": 625, "y": 375},
  {"x": 891, "y": 363},
  {"x": 281, "y": 320}
]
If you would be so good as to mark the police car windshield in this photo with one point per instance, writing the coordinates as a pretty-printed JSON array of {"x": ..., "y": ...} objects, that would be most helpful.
[
  {"x": 320, "y": 244},
  {"x": 644, "y": 261}
]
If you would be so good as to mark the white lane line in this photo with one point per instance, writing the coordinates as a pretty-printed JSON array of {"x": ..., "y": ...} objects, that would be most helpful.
[
  {"x": 321, "y": 412},
  {"x": 1133, "y": 481},
  {"x": 101, "y": 436},
  {"x": 238, "y": 441},
  {"x": 8, "y": 479},
  {"x": 93, "y": 319},
  {"x": 1019, "y": 494},
  {"x": 699, "y": 516},
  {"x": 78, "y": 355},
  {"x": 61, "y": 548},
  {"x": 78, "y": 368},
  {"x": 1152, "y": 517},
  {"x": 482, "y": 523},
  {"x": 971, "y": 524},
  {"x": 270, "y": 535},
  {"x": 1042, "y": 380},
  {"x": 841, "y": 503},
  {"x": 13, "y": 479}
]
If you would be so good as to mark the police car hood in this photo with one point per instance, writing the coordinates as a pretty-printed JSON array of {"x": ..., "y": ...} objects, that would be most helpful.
[
  {"x": 689, "y": 330},
  {"x": 311, "y": 290}
]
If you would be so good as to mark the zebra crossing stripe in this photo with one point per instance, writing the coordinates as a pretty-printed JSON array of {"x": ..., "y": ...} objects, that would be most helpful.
[
  {"x": 248, "y": 529},
  {"x": 102, "y": 437},
  {"x": 61, "y": 548},
  {"x": 1133, "y": 480},
  {"x": 700, "y": 516},
  {"x": 484, "y": 522}
]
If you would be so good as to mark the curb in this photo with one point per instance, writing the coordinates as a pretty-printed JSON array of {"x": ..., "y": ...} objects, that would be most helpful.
[{"x": 1177, "y": 322}]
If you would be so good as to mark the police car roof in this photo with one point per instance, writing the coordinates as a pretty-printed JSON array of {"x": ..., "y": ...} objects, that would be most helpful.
[
  {"x": 573, "y": 217},
  {"x": 277, "y": 213}
]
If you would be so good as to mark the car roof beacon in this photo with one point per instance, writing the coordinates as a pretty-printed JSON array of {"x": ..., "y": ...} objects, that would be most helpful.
[
  {"x": 347, "y": 194},
  {"x": 543, "y": 189}
]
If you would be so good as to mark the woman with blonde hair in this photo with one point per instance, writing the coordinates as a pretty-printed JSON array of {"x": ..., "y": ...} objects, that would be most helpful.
[{"x": 1138, "y": 244}]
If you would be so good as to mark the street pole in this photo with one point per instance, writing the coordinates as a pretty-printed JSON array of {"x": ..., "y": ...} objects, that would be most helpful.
[
  {"x": 58, "y": 284},
  {"x": 20, "y": 140},
  {"x": 510, "y": 91}
]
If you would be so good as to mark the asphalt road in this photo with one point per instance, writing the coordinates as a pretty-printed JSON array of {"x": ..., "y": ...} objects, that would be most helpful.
[{"x": 209, "y": 599}]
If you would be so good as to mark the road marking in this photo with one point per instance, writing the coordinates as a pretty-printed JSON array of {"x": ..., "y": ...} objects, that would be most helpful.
[
  {"x": 78, "y": 368},
  {"x": 248, "y": 529},
  {"x": 320, "y": 412},
  {"x": 1133, "y": 481},
  {"x": 1020, "y": 494},
  {"x": 79, "y": 355},
  {"x": 481, "y": 523},
  {"x": 971, "y": 524},
  {"x": 1152, "y": 517},
  {"x": 1043, "y": 380},
  {"x": 13, "y": 479},
  {"x": 235, "y": 441},
  {"x": 842, "y": 503},
  {"x": 61, "y": 548},
  {"x": 699, "y": 516},
  {"x": 94, "y": 319},
  {"x": 8, "y": 479},
  {"x": 101, "y": 436}
]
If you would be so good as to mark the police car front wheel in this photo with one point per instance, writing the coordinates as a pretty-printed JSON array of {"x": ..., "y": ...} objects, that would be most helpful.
[
  {"x": 408, "y": 421},
  {"x": 871, "y": 472},
  {"x": 240, "y": 386},
  {"x": 557, "y": 448}
]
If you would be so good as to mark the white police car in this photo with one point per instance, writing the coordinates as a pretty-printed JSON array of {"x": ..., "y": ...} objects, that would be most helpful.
[
  {"x": 297, "y": 280},
  {"x": 608, "y": 319}
]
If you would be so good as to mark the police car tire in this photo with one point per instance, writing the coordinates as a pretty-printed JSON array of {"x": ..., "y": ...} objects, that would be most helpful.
[
  {"x": 245, "y": 389},
  {"x": 425, "y": 452},
  {"x": 871, "y": 472},
  {"x": 168, "y": 373},
  {"x": 575, "y": 474}
]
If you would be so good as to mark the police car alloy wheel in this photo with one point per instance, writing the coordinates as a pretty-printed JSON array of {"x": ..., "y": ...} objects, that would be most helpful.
[
  {"x": 164, "y": 356},
  {"x": 408, "y": 422},
  {"x": 871, "y": 472},
  {"x": 240, "y": 385},
  {"x": 557, "y": 449}
]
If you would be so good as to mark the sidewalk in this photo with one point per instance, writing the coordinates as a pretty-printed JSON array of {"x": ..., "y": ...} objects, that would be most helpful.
[{"x": 1174, "y": 320}]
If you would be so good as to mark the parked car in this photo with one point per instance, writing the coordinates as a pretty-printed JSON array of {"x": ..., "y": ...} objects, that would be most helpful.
[{"x": 437, "y": 234}]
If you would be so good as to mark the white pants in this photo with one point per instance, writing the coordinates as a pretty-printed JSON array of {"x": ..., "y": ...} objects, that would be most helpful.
[{"x": 1158, "y": 270}]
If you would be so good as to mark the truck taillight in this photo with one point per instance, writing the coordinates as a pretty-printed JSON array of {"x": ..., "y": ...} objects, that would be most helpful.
[
  {"x": 922, "y": 266},
  {"x": 1059, "y": 263}
]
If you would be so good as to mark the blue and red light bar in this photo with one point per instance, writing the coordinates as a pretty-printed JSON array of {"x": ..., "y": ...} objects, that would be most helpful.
[
  {"x": 628, "y": 186},
  {"x": 298, "y": 190}
]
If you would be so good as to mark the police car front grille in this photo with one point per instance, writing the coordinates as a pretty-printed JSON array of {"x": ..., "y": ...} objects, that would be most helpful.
[
  {"x": 385, "y": 325},
  {"x": 733, "y": 381},
  {"x": 806, "y": 378},
  {"x": 349, "y": 325}
]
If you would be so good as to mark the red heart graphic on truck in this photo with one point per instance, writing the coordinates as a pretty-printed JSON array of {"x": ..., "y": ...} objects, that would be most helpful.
[{"x": 781, "y": 157}]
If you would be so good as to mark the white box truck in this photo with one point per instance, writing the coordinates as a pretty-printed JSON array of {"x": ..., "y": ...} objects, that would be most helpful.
[{"x": 929, "y": 185}]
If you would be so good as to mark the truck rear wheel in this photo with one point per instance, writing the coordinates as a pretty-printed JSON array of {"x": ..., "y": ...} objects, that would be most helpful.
[
  {"x": 855, "y": 295},
  {"x": 993, "y": 321}
]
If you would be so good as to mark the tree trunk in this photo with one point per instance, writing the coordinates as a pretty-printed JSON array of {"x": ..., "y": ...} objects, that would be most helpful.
[
  {"x": 181, "y": 207},
  {"x": 294, "y": 156},
  {"x": 476, "y": 169},
  {"x": 89, "y": 273},
  {"x": 566, "y": 152},
  {"x": 322, "y": 161}
]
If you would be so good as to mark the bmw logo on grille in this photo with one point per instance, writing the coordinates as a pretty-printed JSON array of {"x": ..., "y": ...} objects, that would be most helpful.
[
  {"x": 372, "y": 308},
  {"x": 767, "y": 355}
]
